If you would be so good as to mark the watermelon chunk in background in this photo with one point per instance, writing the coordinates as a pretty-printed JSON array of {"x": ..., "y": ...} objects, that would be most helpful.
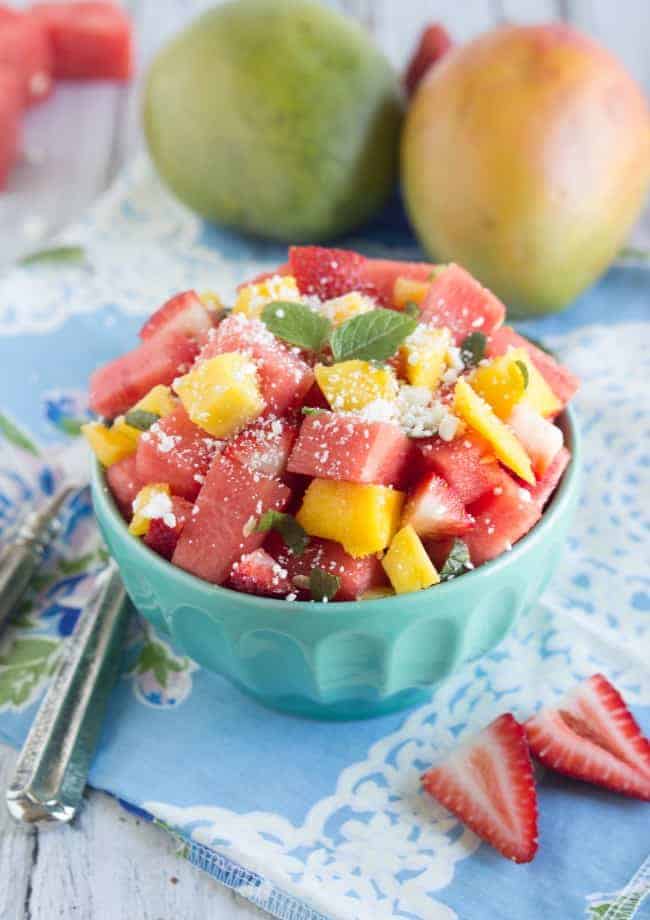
[
  {"x": 89, "y": 40},
  {"x": 11, "y": 111},
  {"x": 356, "y": 575},
  {"x": 459, "y": 302},
  {"x": 502, "y": 517},
  {"x": 264, "y": 446},
  {"x": 124, "y": 483},
  {"x": 461, "y": 464},
  {"x": 118, "y": 385},
  {"x": 284, "y": 377},
  {"x": 25, "y": 51},
  {"x": 161, "y": 538},
  {"x": 176, "y": 451},
  {"x": 560, "y": 379},
  {"x": 434, "y": 42},
  {"x": 259, "y": 573},
  {"x": 185, "y": 313},
  {"x": 350, "y": 449},
  {"x": 221, "y": 528}
]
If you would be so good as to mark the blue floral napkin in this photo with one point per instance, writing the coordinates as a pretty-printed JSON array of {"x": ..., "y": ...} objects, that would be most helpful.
[{"x": 312, "y": 819}]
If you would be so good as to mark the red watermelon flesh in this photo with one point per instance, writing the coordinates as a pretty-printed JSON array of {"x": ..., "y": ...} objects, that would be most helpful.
[
  {"x": 264, "y": 446},
  {"x": 184, "y": 313},
  {"x": 379, "y": 276},
  {"x": 457, "y": 300},
  {"x": 461, "y": 463},
  {"x": 285, "y": 378},
  {"x": 118, "y": 385},
  {"x": 178, "y": 452},
  {"x": 25, "y": 51},
  {"x": 501, "y": 518},
  {"x": 434, "y": 42},
  {"x": 281, "y": 270},
  {"x": 89, "y": 40},
  {"x": 544, "y": 489},
  {"x": 326, "y": 273},
  {"x": 438, "y": 550},
  {"x": 435, "y": 509},
  {"x": 350, "y": 449},
  {"x": 124, "y": 483},
  {"x": 161, "y": 537},
  {"x": 11, "y": 111},
  {"x": 222, "y": 526},
  {"x": 356, "y": 575},
  {"x": 560, "y": 379},
  {"x": 259, "y": 573}
]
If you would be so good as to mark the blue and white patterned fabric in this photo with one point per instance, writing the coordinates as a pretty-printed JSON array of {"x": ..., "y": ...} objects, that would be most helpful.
[{"x": 311, "y": 819}]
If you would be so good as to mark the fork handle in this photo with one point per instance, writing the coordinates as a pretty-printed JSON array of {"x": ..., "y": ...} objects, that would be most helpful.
[{"x": 51, "y": 772}]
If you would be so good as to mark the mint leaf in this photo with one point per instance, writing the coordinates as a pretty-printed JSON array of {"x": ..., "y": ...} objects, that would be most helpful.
[
  {"x": 288, "y": 527},
  {"x": 140, "y": 419},
  {"x": 457, "y": 561},
  {"x": 66, "y": 255},
  {"x": 523, "y": 367},
  {"x": 15, "y": 436},
  {"x": 373, "y": 336},
  {"x": 472, "y": 349},
  {"x": 411, "y": 309},
  {"x": 322, "y": 585},
  {"x": 297, "y": 324},
  {"x": 312, "y": 410}
]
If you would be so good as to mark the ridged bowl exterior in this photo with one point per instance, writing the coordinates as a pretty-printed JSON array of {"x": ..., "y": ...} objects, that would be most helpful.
[{"x": 348, "y": 660}]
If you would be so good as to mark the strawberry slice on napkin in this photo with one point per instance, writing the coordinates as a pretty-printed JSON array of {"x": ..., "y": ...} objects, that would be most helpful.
[
  {"x": 592, "y": 735},
  {"x": 488, "y": 783}
]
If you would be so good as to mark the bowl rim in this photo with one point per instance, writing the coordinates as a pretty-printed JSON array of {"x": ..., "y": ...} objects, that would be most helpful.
[{"x": 104, "y": 505}]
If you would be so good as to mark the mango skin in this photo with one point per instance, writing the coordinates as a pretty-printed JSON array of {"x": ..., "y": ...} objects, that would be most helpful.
[
  {"x": 526, "y": 158},
  {"x": 278, "y": 118}
]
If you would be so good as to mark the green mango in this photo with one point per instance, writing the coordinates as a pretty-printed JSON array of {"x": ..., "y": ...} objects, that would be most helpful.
[
  {"x": 275, "y": 117},
  {"x": 526, "y": 158}
]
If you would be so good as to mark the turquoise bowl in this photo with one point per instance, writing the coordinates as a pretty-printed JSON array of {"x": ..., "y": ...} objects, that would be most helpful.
[{"x": 348, "y": 660}]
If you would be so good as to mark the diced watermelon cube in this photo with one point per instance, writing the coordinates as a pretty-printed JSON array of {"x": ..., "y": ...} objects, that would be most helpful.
[
  {"x": 259, "y": 573},
  {"x": 162, "y": 538},
  {"x": 438, "y": 549},
  {"x": 115, "y": 387},
  {"x": 560, "y": 379},
  {"x": 281, "y": 270},
  {"x": 540, "y": 438},
  {"x": 326, "y": 273},
  {"x": 501, "y": 518},
  {"x": 25, "y": 51},
  {"x": 379, "y": 276},
  {"x": 285, "y": 378},
  {"x": 545, "y": 487},
  {"x": 11, "y": 111},
  {"x": 457, "y": 300},
  {"x": 222, "y": 526},
  {"x": 435, "y": 510},
  {"x": 461, "y": 463},
  {"x": 347, "y": 448},
  {"x": 89, "y": 40},
  {"x": 264, "y": 446},
  {"x": 124, "y": 483},
  {"x": 434, "y": 43},
  {"x": 356, "y": 575},
  {"x": 176, "y": 451},
  {"x": 185, "y": 313}
]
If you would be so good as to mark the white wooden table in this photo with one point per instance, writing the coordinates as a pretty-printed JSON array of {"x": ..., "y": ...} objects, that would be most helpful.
[{"x": 110, "y": 866}]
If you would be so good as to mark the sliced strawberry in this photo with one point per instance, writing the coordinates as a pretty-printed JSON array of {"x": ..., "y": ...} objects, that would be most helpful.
[
  {"x": 162, "y": 535},
  {"x": 488, "y": 783},
  {"x": 540, "y": 438},
  {"x": 457, "y": 300},
  {"x": 259, "y": 573},
  {"x": 281, "y": 270},
  {"x": 11, "y": 112},
  {"x": 560, "y": 379},
  {"x": 592, "y": 735},
  {"x": 434, "y": 42},
  {"x": 185, "y": 313},
  {"x": 264, "y": 446},
  {"x": 435, "y": 510},
  {"x": 26, "y": 53},
  {"x": 326, "y": 273}
]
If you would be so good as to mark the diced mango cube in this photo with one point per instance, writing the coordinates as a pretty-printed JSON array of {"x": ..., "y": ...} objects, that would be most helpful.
[
  {"x": 538, "y": 393},
  {"x": 340, "y": 309},
  {"x": 424, "y": 356},
  {"x": 158, "y": 401},
  {"x": 221, "y": 395},
  {"x": 479, "y": 416},
  {"x": 407, "y": 564},
  {"x": 252, "y": 298},
  {"x": 362, "y": 518},
  {"x": 110, "y": 445},
  {"x": 501, "y": 383},
  {"x": 407, "y": 291},
  {"x": 212, "y": 301},
  {"x": 351, "y": 385},
  {"x": 152, "y": 501}
]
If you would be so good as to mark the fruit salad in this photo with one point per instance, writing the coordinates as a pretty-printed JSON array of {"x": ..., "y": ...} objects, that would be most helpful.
[{"x": 349, "y": 428}]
